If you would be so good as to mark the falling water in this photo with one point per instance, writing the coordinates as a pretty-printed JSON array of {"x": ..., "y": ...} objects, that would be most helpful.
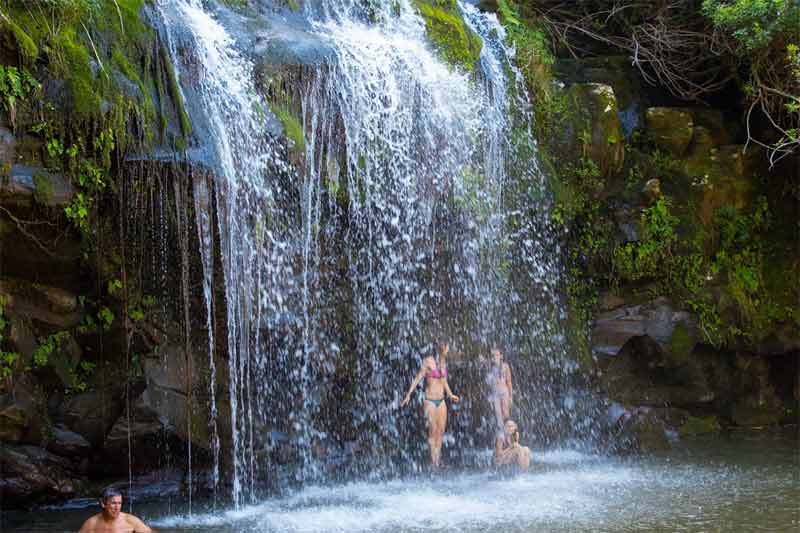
[{"x": 419, "y": 212}]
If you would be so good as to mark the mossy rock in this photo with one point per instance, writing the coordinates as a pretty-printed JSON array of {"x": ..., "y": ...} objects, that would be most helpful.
[
  {"x": 670, "y": 128},
  {"x": 292, "y": 127},
  {"x": 681, "y": 343},
  {"x": 701, "y": 425},
  {"x": 593, "y": 128},
  {"x": 452, "y": 39}
]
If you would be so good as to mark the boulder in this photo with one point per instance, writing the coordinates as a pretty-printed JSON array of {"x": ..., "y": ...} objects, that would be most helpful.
[
  {"x": 50, "y": 305},
  {"x": 699, "y": 425},
  {"x": 757, "y": 410},
  {"x": 91, "y": 414},
  {"x": 26, "y": 184},
  {"x": 644, "y": 374},
  {"x": 31, "y": 473},
  {"x": 658, "y": 319},
  {"x": 165, "y": 396},
  {"x": 615, "y": 71},
  {"x": 647, "y": 430},
  {"x": 21, "y": 418},
  {"x": 671, "y": 128},
  {"x": 290, "y": 45},
  {"x": 593, "y": 128},
  {"x": 67, "y": 443},
  {"x": 146, "y": 431}
]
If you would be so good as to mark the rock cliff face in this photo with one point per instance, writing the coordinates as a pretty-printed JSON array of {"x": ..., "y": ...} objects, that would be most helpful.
[{"x": 683, "y": 250}]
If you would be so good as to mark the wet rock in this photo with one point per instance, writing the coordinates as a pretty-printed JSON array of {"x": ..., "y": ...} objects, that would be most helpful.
[
  {"x": 26, "y": 184},
  {"x": 617, "y": 72},
  {"x": 782, "y": 340},
  {"x": 143, "y": 436},
  {"x": 285, "y": 44},
  {"x": 31, "y": 473},
  {"x": 22, "y": 337},
  {"x": 8, "y": 144},
  {"x": 700, "y": 425},
  {"x": 642, "y": 375},
  {"x": 67, "y": 443},
  {"x": 720, "y": 129},
  {"x": 757, "y": 410},
  {"x": 658, "y": 319},
  {"x": 670, "y": 128},
  {"x": 21, "y": 418},
  {"x": 651, "y": 191},
  {"x": 648, "y": 430},
  {"x": 91, "y": 414},
  {"x": 50, "y": 305},
  {"x": 166, "y": 394}
]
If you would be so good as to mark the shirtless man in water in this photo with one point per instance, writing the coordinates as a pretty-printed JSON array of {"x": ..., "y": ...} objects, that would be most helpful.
[{"x": 112, "y": 519}]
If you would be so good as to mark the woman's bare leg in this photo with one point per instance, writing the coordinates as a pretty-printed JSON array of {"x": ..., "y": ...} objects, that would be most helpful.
[
  {"x": 440, "y": 433},
  {"x": 438, "y": 423},
  {"x": 430, "y": 424},
  {"x": 505, "y": 406}
]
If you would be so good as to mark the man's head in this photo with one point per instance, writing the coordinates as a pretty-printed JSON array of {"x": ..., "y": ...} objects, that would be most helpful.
[{"x": 111, "y": 502}]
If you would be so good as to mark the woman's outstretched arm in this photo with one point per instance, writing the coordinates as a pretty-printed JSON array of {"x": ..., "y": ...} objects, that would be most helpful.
[{"x": 417, "y": 379}]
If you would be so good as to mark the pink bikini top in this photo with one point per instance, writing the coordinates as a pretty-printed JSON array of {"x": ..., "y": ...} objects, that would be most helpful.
[{"x": 436, "y": 374}]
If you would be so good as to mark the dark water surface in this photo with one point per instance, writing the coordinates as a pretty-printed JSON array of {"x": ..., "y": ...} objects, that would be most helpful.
[{"x": 740, "y": 481}]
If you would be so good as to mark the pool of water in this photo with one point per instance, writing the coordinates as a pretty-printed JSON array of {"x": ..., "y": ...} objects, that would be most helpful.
[{"x": 741, "y": 481}]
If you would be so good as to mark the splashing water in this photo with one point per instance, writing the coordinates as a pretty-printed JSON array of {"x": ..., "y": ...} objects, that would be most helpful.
[{"x": 419, "y": 213}]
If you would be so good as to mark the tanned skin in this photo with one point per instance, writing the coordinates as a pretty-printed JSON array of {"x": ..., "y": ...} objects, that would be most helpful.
[{"x": 113, "y": 520}]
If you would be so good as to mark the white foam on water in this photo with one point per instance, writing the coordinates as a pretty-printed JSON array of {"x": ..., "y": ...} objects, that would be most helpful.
[{"x": 461, "y": 502}]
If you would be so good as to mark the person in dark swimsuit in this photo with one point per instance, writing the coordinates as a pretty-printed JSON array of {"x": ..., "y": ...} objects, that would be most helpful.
[{"x": 436, "y": 387}]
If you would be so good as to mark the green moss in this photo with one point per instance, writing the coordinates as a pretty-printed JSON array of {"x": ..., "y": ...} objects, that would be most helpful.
[
  {"x": 73, "y": 66},
  {"x": 292, "y": 127},
  {"x": 681, "y": 343},
  {"x": 26, "y": 45},
  {"x": 700, "y": 426},
  {"x": 175, "y": 95},
  {"x": 456, "y": 43},
  {"x": 43, "y": 188}
]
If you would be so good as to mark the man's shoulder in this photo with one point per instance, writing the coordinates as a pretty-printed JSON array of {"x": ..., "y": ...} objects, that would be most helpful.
[{"x": 90, "y": 523}]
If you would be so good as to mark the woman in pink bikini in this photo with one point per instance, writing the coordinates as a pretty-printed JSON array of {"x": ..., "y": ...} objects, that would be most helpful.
[{"x": 436, "y": 387}]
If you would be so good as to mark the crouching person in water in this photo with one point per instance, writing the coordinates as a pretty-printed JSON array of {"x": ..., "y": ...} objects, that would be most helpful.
[
  {"x": 112, "y": 519},
  {"x": 508, "y": 450}
]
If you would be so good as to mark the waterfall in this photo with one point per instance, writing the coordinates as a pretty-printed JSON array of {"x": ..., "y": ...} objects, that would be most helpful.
[{"x": 417, "y": 212}]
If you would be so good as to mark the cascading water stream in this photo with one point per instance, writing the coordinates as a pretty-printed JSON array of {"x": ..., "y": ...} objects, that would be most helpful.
[{"x": 421, "y": 213}]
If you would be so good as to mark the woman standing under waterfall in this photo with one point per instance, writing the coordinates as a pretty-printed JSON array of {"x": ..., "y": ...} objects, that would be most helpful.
[
  {"x": 434, "y": 370},
  {"x": 501, "y": 390}
]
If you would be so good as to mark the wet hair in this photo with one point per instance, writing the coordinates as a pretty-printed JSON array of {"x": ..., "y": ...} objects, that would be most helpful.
[
  {"x": 439, "y": 344},
  {"x": 109, "y": 492}
]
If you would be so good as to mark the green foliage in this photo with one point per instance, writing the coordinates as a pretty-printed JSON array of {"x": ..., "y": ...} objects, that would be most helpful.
[
  {"x": 48, "y": 346},
  {"x": 651, "y": 256},
  {"x": 457, "y": 44},
  {"x": 764, "y": 38},
  {"x": 8, "y": 360},
  {"x": 535, "y": 59},
  {"x": 106, "y": 317},
  {"x": 15, "y": 87},
  {"x": 114, "y": 286},
  {"x": 754, "y": 24}
]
